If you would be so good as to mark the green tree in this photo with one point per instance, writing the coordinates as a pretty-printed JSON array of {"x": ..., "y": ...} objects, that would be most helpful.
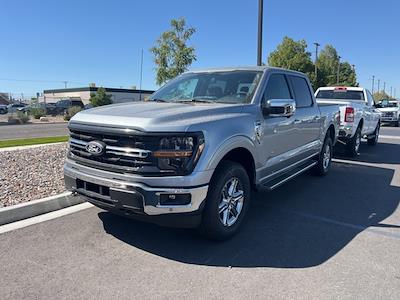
[
  {"x": 100, "y": 98},
  {"x": 171, "y": 53},
  {"x": 291, "y": 54},
  {"x": 327, "y": 65},
  {"x": 381, "y": 95}
]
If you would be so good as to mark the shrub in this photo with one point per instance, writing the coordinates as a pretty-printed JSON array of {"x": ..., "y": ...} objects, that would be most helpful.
[
  {"x": 37, "y": 112},
  {"x": 22, "y": 117},
  {"x": 100, "y": 98},
  {"x": 72, "y": 111}
]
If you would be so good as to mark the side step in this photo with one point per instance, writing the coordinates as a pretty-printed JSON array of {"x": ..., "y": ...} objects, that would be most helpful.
[{"x": 274, "y": 183}]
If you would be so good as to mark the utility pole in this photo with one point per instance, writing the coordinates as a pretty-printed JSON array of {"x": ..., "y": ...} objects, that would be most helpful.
[
  {"x": 391, "y": 89},
  {"x": 65, "y": 84},
  {"x": 316, "y": 59},
  {"x": 338, "y": 70},
  {"x": 384, "y": 87},
  {"x": 260, "y": 30},
  {"x": 394, "y": 95},
  {"x": 373, "y": 83},
  {"x": 379, "y": 82},
  {"x": 141, "y": 76}
]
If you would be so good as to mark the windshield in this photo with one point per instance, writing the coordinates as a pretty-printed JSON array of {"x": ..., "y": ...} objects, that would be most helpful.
[
  {"x": 386, "y": 103},
  {"x": 223, "y": 87},
  {"x": 341, "y": 94}
]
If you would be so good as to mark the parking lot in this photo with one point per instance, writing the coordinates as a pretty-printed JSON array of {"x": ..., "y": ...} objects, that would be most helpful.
[{"x": 331, "y": 237}]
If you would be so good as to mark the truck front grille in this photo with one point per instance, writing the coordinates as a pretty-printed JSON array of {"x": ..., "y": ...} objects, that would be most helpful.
[{"x": 122, "y": 153}]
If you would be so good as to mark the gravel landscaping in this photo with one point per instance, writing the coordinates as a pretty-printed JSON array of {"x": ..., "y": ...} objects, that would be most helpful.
[{"x": 31, "y": 174}]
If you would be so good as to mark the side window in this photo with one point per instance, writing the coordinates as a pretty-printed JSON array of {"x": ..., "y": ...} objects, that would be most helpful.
[
  {"x": 302, "y": 92},
  {"x": 277, "y": 88},
  {"x": 370, "y": 98}
]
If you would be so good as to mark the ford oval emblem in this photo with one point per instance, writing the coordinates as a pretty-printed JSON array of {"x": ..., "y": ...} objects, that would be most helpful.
[{"x": 95, "y": 148}]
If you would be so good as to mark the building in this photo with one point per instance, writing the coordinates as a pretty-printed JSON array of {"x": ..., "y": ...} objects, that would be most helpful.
[
  {"x": 84, "y": 93},
  {"x": 4, "y": 99}
]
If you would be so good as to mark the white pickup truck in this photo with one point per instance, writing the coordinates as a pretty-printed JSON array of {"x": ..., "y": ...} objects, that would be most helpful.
[
  {"x": 359, "y": 117},
  {"x": 390, "y": 110}
]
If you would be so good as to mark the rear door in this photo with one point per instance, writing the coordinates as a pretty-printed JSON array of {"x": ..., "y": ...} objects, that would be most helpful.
[{"x": 307, "y": 118}]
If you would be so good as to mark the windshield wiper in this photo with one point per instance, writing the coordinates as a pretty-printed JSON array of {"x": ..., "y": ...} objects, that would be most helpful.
[{"x": 158, "y": 100}]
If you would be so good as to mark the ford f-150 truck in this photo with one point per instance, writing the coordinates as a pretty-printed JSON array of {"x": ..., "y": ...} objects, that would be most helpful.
[
  {"x": 359, "y": 116},
  {"x": 390, "y": 111},
  {"x": 191, "y": 155}
]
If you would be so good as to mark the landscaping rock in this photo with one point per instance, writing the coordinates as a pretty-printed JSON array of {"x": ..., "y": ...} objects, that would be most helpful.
[{"x": 31, "y": 174}]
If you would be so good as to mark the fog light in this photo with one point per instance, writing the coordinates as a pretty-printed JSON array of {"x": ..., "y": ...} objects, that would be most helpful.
[{"x": 175, "y": 199}]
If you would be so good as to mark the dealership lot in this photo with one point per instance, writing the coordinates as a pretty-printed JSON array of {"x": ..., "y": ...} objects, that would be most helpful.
[{"x": 340, "y": 238}]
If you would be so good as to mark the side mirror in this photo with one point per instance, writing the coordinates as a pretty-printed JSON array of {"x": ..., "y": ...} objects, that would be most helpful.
[{"x": 278, "y": 107}]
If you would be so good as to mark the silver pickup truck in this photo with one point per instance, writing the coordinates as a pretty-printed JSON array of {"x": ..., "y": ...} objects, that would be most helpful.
[{"x": 191, "y": 155}]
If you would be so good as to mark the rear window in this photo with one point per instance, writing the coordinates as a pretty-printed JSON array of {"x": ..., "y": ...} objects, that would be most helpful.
[{"x": 341, "y": 94}]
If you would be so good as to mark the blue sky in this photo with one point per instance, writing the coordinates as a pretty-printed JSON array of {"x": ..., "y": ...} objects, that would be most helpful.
[{"x": 100, "y": 41}]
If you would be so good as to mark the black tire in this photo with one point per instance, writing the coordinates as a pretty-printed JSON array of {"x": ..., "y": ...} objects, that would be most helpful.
[
  {"x": 353, "y": 145},
  {"x": 397, "y": 123},
  {"x": 211, "y": 225},
  {"x": 325, "y": 158},
  {"x": 372, "y": 141}
]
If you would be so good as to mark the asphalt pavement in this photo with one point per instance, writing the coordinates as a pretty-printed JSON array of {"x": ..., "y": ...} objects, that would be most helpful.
[
  {"x": 328, "y": 238},
  {"x": 33, "y": 130}
]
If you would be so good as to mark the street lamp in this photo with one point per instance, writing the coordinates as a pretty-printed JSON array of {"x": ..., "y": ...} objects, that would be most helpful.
[
  {"x": 316, "y": 58},
  {"x": 338, "y": 70},
  {"x": 260, "y": 29}
]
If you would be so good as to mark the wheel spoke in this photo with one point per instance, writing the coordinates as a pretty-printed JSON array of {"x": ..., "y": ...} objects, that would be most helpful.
[
  {"x": 225, "y": 217},
  {"x": 232, "y": 187},
  {"x": 237, "y": 196},
  {"x": 223, "y": 206},
  {"x": 234, "y": 211}
]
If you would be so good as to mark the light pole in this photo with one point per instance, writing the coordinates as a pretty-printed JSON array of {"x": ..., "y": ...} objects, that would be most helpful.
[
  {"x": 141, "y": 76},
  {"x": 338, "y": 70},
  {"x": 379, "y": 82},
  {"x": 260, "y": 29},
  {"x": 373, "y": 83},
  {"x": 316, "y": 58},
  {"x": 384, "y": 87}
]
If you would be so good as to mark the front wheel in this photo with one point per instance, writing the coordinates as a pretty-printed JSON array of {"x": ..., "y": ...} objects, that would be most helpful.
[{"x": 227, "y": 201}]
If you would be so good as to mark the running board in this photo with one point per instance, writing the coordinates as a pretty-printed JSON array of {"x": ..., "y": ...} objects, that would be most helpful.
[{"x": 273, "y": 184}]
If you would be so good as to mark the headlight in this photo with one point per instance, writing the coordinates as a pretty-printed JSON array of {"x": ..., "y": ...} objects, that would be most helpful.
[{"x": 179, "y": 154}]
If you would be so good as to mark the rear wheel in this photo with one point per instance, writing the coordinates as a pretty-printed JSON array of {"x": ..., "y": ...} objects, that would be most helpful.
[
  {"x": 325, "y": 158},
  {"x": 227, "y": 201},
  {"x": 372, "y": 141},
  {"x": 353, "y": 145}
]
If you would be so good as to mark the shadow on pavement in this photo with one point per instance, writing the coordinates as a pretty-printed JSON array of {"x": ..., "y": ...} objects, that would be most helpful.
[
  {"x": 382, "y": 153},
  {"x": 302, "y": 224}
]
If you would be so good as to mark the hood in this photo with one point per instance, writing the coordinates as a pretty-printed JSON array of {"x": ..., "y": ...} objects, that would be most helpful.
[
  {"x": 156, "y": 116},
  {"x": 387, "y": 109}
]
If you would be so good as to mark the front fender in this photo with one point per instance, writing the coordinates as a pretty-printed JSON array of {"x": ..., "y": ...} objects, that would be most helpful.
[{"x": 238, "y": 141}]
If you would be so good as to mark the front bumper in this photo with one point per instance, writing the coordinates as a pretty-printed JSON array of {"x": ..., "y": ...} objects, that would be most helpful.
[
  {"x": 389, "y": 119},
  {"x": 132, "y": 198}
]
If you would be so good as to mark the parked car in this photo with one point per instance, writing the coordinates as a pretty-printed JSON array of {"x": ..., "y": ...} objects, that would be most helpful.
[
  {"x": 14, "y": 107},
  {"x": 191, "y": 154},
  {"x": 3, "y": 109},
  {"x": 64, "y": 105},
  {"x": 390, "y": 110},
  {"x": 49, "y": 108},
  {"x": 359, "y": 117}
]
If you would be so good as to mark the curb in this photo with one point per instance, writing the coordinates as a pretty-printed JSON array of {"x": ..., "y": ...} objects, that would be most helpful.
[
  {"x": 29, "y": 146},
  {"x": 34, "y": 208}
]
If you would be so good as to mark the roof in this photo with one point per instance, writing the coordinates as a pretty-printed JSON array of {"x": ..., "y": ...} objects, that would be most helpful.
[
  {"x": 241, "y": 68},
  {"x": 94, "y": 89},
  {"x": 349, "y": 88}
]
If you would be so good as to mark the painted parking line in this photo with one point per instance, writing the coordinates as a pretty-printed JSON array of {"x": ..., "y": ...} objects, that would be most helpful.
[{"x": 389, "y": 137}]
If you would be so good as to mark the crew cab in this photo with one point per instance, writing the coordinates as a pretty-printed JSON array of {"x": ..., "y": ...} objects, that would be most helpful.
[
  {"x": 191, "y": 155},
  {"x": 390, "y": 110},
  {"x": 359, "y": 116}
]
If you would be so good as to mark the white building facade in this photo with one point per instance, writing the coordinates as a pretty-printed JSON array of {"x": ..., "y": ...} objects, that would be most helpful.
[{"x": 84, "y": 93}]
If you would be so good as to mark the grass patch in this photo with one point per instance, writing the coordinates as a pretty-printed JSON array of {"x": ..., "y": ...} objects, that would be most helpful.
[{"x": 33, "y": 141}]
